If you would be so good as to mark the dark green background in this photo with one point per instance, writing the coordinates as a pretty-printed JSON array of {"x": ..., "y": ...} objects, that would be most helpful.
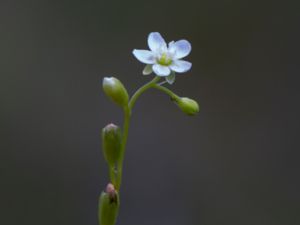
[{"x": 236, "y": 163}]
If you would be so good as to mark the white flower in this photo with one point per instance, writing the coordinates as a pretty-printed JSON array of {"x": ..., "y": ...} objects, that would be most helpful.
[{"x": 164, "y": 60}]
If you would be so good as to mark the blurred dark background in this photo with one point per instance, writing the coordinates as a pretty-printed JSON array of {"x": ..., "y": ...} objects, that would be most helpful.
[{"x": 236, "y": 163}]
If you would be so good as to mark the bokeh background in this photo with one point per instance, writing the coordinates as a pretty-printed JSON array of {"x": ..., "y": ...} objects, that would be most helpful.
[{"x": 236, "y": 163}]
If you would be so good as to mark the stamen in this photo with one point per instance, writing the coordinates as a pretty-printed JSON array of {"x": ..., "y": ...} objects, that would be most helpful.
[{"x": 164, "y": 60}]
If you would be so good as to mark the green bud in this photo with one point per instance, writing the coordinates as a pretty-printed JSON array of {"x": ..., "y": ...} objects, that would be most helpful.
[
  {"x": 108, "y": 206},
  {"x": 188, "y": 106},
  {"x": 114, "y": 89},
  {"x": 111, "y": 143}
]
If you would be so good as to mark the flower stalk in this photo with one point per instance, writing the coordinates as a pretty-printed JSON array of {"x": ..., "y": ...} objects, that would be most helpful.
[{"x": 114, "y": 140}]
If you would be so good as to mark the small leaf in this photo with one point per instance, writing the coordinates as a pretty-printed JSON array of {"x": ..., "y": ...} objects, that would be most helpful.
[
  {"x": 147, "y": 70},
  {"x": 171, "y": 78}
]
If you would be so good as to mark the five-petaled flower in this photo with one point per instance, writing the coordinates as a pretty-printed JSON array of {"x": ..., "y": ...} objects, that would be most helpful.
[{"x": 164, "y": 60}]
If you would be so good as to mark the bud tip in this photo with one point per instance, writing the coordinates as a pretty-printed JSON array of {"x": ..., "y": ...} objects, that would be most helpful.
[{"x": 111, "y": 191}]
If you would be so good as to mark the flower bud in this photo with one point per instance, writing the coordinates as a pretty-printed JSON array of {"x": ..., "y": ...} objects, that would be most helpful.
[
  {"x": 114, "y": 89},
  {"x": 111, "y": 143},
  {"x": 112, "y": 193},
  {"x": 188, "y": 106},
  {"x": 108, "y": 206}
]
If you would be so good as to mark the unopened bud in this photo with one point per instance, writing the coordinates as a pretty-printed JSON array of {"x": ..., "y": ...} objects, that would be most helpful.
[
  {"x": 114, "y": 89},
  {"x": 188, "y": 106},
  {"x": 111, "y": 143},
  {"x": 111, "y": 191},
  {"x": 108, "y": 206}
]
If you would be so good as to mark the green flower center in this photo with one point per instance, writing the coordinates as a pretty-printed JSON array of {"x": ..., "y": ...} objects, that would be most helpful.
[{"x": 164, "y": 60}]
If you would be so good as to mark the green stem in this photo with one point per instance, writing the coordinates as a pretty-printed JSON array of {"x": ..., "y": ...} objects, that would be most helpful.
[
  {"x": 116, "y": 173},
  {"x": 112, "y": 174},
  {"x": 141, "y": 90},
  {"x": 127, "y": 115},
  {"x": 167, "y": 91}
]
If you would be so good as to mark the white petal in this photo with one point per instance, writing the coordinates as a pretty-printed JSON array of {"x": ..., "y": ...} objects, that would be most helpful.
[
  {"x": 180, "y": 66},
  {"x": 145, "y": 56},
  {"x": 180, "y": 48},
  {"x": 156, "y": 41},
  {"x": 160, "y": 70}
]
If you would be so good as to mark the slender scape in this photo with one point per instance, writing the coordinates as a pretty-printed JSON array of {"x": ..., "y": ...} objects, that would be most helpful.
[
  {"x": 164, "y": 60},
  {"x": 127, "y": 115}
]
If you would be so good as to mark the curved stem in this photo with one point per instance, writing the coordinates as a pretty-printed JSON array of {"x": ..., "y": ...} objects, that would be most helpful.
[
  {"x": 141, "y": 90},
  {"x": 167, "y": 91},
  {"x": 127, "y": 115}
]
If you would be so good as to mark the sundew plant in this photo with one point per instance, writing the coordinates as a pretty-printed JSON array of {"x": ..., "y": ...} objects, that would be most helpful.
[{"x": 164, "y": 61}]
